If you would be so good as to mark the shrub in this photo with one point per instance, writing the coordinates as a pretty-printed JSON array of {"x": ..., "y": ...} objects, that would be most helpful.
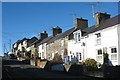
[
  {"x": 72, "y": 62},
  {"x": 91, "y": 64}
]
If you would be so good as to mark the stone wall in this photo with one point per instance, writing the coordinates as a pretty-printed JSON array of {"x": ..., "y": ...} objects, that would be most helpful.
[{"x": 57, "y": 47}]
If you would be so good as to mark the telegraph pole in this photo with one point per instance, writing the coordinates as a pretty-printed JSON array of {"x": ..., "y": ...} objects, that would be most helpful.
[
  {"x": 10, "y": 44},
  {"x": 4, "y": 48}
]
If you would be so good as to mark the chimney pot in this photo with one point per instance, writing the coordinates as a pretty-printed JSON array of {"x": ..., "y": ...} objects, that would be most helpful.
[{"x": 45, "y": 32}]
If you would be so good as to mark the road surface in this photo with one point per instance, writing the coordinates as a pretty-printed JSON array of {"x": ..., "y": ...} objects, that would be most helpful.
[{"x": 28, "y": 72}]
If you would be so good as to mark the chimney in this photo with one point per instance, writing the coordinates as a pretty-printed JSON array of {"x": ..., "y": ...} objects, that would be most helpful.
[
  {"x": 100, "y": 18},
  {"x": 56, "y": 31},
  {"x": 81, "y": 23},
  {"x": 43, "y": 35}
]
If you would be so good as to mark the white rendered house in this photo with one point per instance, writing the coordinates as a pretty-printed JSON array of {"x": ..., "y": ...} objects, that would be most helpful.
[{"x": 103, "y": 37}]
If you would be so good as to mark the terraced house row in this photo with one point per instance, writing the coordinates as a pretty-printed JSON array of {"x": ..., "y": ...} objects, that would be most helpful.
[{"x": 80, "y": 42}]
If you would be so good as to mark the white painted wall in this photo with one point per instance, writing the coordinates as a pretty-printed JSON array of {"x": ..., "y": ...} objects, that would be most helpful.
[
  {"x": 109, "y": 39},
  {"x": 42, "y": 51},
  {"x": 76, "y": 47},
  {"x": 118, "y": 29},
  {"x": 25, "y": 43},
  {"x": 15, "y": 45},
  {"x": 20, "y": 47},
  {"x": 28, "y": 49}
]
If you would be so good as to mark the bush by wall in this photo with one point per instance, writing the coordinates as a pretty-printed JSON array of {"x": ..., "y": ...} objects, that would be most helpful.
[{"x": 90, "y": 64}]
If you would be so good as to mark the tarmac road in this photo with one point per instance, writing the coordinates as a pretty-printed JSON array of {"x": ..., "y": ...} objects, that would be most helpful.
[{"x": 28, "y": 72}]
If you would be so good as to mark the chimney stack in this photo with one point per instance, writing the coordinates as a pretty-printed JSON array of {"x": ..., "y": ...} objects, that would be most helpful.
[
  {"x": 101, "y": 17},
  {"x": 56, "y": 31},
  {"x": 43, "y": 35},
  {"x": 81, "y": 23}
]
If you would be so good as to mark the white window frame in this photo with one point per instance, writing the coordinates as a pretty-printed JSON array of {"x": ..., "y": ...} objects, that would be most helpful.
[
  {"x": 111, "y": 54},
  {"x": 77, "y": 36},
  {"x": 78, "y": 54},
  {"x": 98, "y": 39},
  {"x": 99, "y": 55}
]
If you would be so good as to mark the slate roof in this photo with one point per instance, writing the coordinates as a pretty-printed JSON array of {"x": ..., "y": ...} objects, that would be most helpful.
[
  {"x": 61, "y": 35},
  {"x": 44, "y": 40},
  {"x": 36, "y": 42},
  {"x": 20, "y": 41},
  {"x": 108, "y": 23},
  {"x": 32, "y": 40}
]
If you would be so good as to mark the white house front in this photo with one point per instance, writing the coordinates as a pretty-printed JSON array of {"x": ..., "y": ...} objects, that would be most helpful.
[{"x": 96, "y": 41}]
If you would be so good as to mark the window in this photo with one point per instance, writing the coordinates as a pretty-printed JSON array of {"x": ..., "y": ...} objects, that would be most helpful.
[
  {"x": 78, "y": 36},
  {"x": 75, "y": 37},
  {"x": 113, "y": 56},
  {"x": 99, "y": 55},
  {"x": 98, "y": 35},
  {"x": 99, "y": 58},
  {"x": 80, "y": 58},
  {"x": 99, "y": 52},
  {"x": 114, "y": 53},
  {"x": 98, "y": 39},
  {"x": 113, "y": 50}
]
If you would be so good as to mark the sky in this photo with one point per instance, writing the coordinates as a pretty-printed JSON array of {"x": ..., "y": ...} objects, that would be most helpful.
[{"x": 27, "y": 19}]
